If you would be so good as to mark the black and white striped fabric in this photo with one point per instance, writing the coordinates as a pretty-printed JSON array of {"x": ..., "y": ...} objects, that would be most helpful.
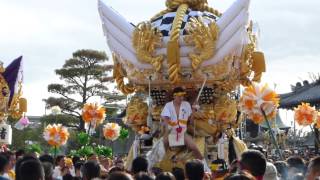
[{"x": 164, "y": 23}]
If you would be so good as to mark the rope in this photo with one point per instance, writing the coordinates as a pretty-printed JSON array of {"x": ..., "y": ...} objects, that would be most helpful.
[
  {"x": 161, "y": 13},
  {"x": 205, "y": 7},
  {"x": 173, "y": 49}
]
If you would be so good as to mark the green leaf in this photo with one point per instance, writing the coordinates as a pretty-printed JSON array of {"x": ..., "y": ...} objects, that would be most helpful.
[
  {"x": 103, "y": 151},
  {"x": 124, "y": 133},
  {"x": 83, "y": 138},
  {"x": 32, "y": 148},
  {"x": 85, "y": 151}
]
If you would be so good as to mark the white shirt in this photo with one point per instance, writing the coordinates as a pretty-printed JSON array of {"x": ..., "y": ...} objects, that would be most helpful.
[
  {"x": 170, "y": 112},
  {"x": 57, "y": 173}
]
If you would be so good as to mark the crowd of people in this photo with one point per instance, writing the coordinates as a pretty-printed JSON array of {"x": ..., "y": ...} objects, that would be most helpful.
[{"x": 253, "y": 165}]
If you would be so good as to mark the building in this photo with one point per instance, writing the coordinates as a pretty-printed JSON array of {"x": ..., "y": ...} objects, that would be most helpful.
[{"x": 302, "y": 92}]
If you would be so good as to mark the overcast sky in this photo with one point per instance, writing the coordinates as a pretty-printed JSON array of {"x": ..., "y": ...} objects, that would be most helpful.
[{"x": 46, "y": 33}]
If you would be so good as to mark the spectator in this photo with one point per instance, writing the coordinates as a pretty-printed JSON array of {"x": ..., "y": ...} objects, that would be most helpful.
[
  {"x": 156, "y": 171},
  {"x": 9, "y": 170},
  {"x": 119, "y": 163},
  {"x": 119, "y": 176},
  {"x": 67, "y": 177},
  {"x": 178, "y": 173},
  {"x": 271, "y": 172},
  {"x": 75, "y": 159},
  {"x": 115, "y": 169},
  {"x": 77, "y": 169},
  {"x": 47, "y": 158},
  {"x": 18, "y": 164},
  {"x": 139, "y": 164},
  {"x": 19, "y": 154},
  {"x": 254, "y": 162},
  {"x": 90, "y": 170},
  {"x": 242, "y": 175},
  {"x": 282, "y": 169},
  {"x": 31, "y": 170},
  {"x": 48, "y": 170},
  {"x": 194, "y": 170},
  {"x": 295, "y": 165},
  {"x": 59, "y": 165},
  {"x": 143, "y": 176},
  {"x": 4, "y": 163},
  {"x": 313, "y": 169},
  {"x": 166, "y": 176},
  {"x": 93, "y": 157}
]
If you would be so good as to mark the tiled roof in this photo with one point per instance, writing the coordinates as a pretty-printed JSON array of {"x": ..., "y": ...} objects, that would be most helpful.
[{"x": 309, "y": 94}]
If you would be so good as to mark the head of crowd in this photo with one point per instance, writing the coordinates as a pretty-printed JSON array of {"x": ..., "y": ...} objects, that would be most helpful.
[{"x": 252, "y": 165}]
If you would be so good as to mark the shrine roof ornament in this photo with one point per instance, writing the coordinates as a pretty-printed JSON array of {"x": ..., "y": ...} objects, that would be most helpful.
[{"x": 185, "y": 43}]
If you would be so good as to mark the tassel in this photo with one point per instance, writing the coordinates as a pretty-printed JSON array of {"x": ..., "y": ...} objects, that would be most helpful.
[{"x": 23, "y": 105}]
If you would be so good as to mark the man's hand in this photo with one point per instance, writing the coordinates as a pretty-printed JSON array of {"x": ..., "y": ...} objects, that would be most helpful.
[{"x": 195, "y": 107}]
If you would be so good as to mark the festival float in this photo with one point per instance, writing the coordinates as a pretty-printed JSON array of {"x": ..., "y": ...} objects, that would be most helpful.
[
  {"x": 11, "y": 102},
  {"x": 191, "y": 45}
]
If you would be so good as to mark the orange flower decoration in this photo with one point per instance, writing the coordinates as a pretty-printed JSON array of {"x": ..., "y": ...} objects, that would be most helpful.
[
  {"x": 304, "y": 114},
  {"x": 111, "y": 131},
  {"x": 318, "y": 120},
  {"x": 255, "y": 98},
  {"x": 93, "y": 113},
  {"x": 144, "y": 130},
  {"x": 56, "y": 135},
  {"x": 68, "y": 162}
]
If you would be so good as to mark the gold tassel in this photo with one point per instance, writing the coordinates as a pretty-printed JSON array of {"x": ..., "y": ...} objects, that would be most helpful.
[
  {"x": 239, "y": 146},
  {"x": 23, "y": 105},
  {"x": 258, "y": 65}
]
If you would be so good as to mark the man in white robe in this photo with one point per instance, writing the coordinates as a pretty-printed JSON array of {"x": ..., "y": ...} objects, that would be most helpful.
[{"x": 176, "y": 115}]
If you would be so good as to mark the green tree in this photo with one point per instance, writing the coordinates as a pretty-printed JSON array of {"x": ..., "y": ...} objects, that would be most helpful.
[{"x": 85, "y": 75}]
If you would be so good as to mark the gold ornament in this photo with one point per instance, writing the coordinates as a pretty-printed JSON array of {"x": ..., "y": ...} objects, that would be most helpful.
[
  {"x": 204, "y": 39},
  {"x": 145, "y": 39},
  {"x": 225, "y": 110},
  {"x": 118, "y": 75},
  {"x": 156, "y": 112},
  {"x": 4, "y": 98},
  {"x": 137, "y": 113}
]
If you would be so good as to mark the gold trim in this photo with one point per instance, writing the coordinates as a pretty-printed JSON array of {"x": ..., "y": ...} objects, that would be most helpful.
[
  {"x": 145, "y": 39},
  {"x": 4, "y": 99}
]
